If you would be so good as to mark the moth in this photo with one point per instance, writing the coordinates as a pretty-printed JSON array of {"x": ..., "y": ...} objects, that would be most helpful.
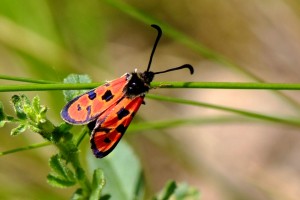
[{"x": 109, "y": 109}]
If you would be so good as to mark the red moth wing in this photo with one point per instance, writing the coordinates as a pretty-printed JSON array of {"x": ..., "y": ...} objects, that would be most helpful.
[
  {"x": 88, "y": 106},
  {"x": 112, "y": 124}
]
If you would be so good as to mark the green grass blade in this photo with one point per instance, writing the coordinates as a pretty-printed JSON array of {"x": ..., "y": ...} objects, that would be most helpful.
[
  {"x": 163, "y": 124},
  {"x": 22, "y": 79},
  {"x": 227, "y": 109},
  {"x": 200, "y": 85}
]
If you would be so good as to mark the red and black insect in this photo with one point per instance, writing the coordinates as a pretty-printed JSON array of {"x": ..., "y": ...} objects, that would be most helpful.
[{"x": 109, "y": 108}]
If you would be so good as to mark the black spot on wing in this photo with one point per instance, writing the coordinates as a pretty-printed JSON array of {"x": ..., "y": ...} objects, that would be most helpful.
[
  {"x": 92, "y": 95},
  {"x": 102, "y": 129},
  {"x": 88, "y": 109},
  {"x": 107, "y": 96},
  {"x": 121, "y": 129},
  {"x": 78, "y": 107},
  {"x": 122, "y": 113},
  {"x": 101, "y": 154},
  {"x": 106, "y": 140}
]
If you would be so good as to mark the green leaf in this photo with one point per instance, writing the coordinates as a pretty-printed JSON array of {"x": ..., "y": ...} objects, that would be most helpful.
[
  {"x": 18, "y": 107},
  {"x": 29, "y": 109},
  {"x": 36, "y": 104},
  {"x": 59, "y": 182},
  {"x": 177, "y": 191},
  {"x": 97, "y": 184},
  {"x": 61, "y": 131},
  {"x": 122, "y": 170},
  {"x": 60, "y": 169},
  {"x": 75, "y": 78},
  {"x": 105, "y": 197},
  {"x": 34, "y": 129},
  {"x": 78, "y": 195},
  {"x": 167, "y": 191},
  {"x": 19, "y": 129},
  {"x": 25, "y": 100},
  {"x": 2, "y": 123},
  {"x": 184, "y": 191},
  {"x": 80, "y": 173},
  {"x": 39, "y": 110}
]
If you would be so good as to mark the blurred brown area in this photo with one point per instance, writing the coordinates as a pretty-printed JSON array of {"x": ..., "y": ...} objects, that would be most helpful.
[{"x": 240, "y": 159}]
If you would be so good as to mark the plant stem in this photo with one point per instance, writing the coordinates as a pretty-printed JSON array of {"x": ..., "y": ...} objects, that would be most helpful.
[
  {"x": 228, "y": 85},
  {"x": 21, "y": 79},
  {"x": 200, "y": 85},
  {"x": 29, "y": 147},
  {"x": 228, "y": 109}
]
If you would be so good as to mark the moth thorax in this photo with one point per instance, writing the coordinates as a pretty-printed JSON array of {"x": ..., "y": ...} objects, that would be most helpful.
[{"x": 137, "y": 86}]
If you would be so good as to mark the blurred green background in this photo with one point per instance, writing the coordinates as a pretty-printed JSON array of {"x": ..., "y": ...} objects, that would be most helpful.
[{"x": 230, "y": 41}]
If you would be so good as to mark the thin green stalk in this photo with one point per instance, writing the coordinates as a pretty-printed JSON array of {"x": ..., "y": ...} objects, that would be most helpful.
[
  {"x": 81, "y": 136},
  {"x": 43, "y": 87},
  {"x": 228, "y": 85},
  {"x": 29, "y": 147},
  {"x": 22, "y": 79},
  {"x": 228, "y": 109},
  {"x": 200, "y": 85},
  {"x": 180, "y": 122}
]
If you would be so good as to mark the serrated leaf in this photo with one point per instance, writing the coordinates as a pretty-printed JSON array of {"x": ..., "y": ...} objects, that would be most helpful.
[
  {"x": 18, "y": 130},
  {"x": 59, "y": 182},
  {"x": 34, "y": 129},
  {"x": 60, "y": 169},
  {"x": 80, "y": 174},
  {"x": 75, "y": 78},
  {"x": 61, "y": 131},
  {"x": 97, "y": 184},
  {"x": 39, "y": 110},
  {"x": 18, "y": 107},
  {"x": 36, "y": 104},
  {"x": 42, "y": 111},
  {"x": 30, "y": 113},
  {"x": 25, "y": 100}
]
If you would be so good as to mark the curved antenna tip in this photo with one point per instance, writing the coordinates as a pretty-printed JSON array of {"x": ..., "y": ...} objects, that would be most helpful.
[
  {"x": 185, "y": 66},
  {"x": 156, "y": 27},
  {"x": 190, "y": 67}
]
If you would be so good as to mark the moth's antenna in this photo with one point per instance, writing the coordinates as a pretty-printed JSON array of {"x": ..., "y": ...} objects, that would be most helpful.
[
  {"x": 159, "y": 32},
  {"x": 185, "y": 66}
]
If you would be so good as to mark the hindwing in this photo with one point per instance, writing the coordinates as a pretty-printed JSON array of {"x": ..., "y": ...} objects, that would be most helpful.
[{"x": 112, "y": 124}]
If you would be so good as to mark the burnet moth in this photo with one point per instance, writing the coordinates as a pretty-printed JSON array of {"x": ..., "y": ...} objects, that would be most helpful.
[{"x": 109, "y": 108}]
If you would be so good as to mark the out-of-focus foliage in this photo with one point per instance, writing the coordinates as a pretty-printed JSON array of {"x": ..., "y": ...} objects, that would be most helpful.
[{"x": 47, "y": 40}]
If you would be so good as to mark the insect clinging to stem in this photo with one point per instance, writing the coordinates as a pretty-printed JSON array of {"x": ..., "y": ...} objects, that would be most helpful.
[{"x": 109, "y": 108}]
